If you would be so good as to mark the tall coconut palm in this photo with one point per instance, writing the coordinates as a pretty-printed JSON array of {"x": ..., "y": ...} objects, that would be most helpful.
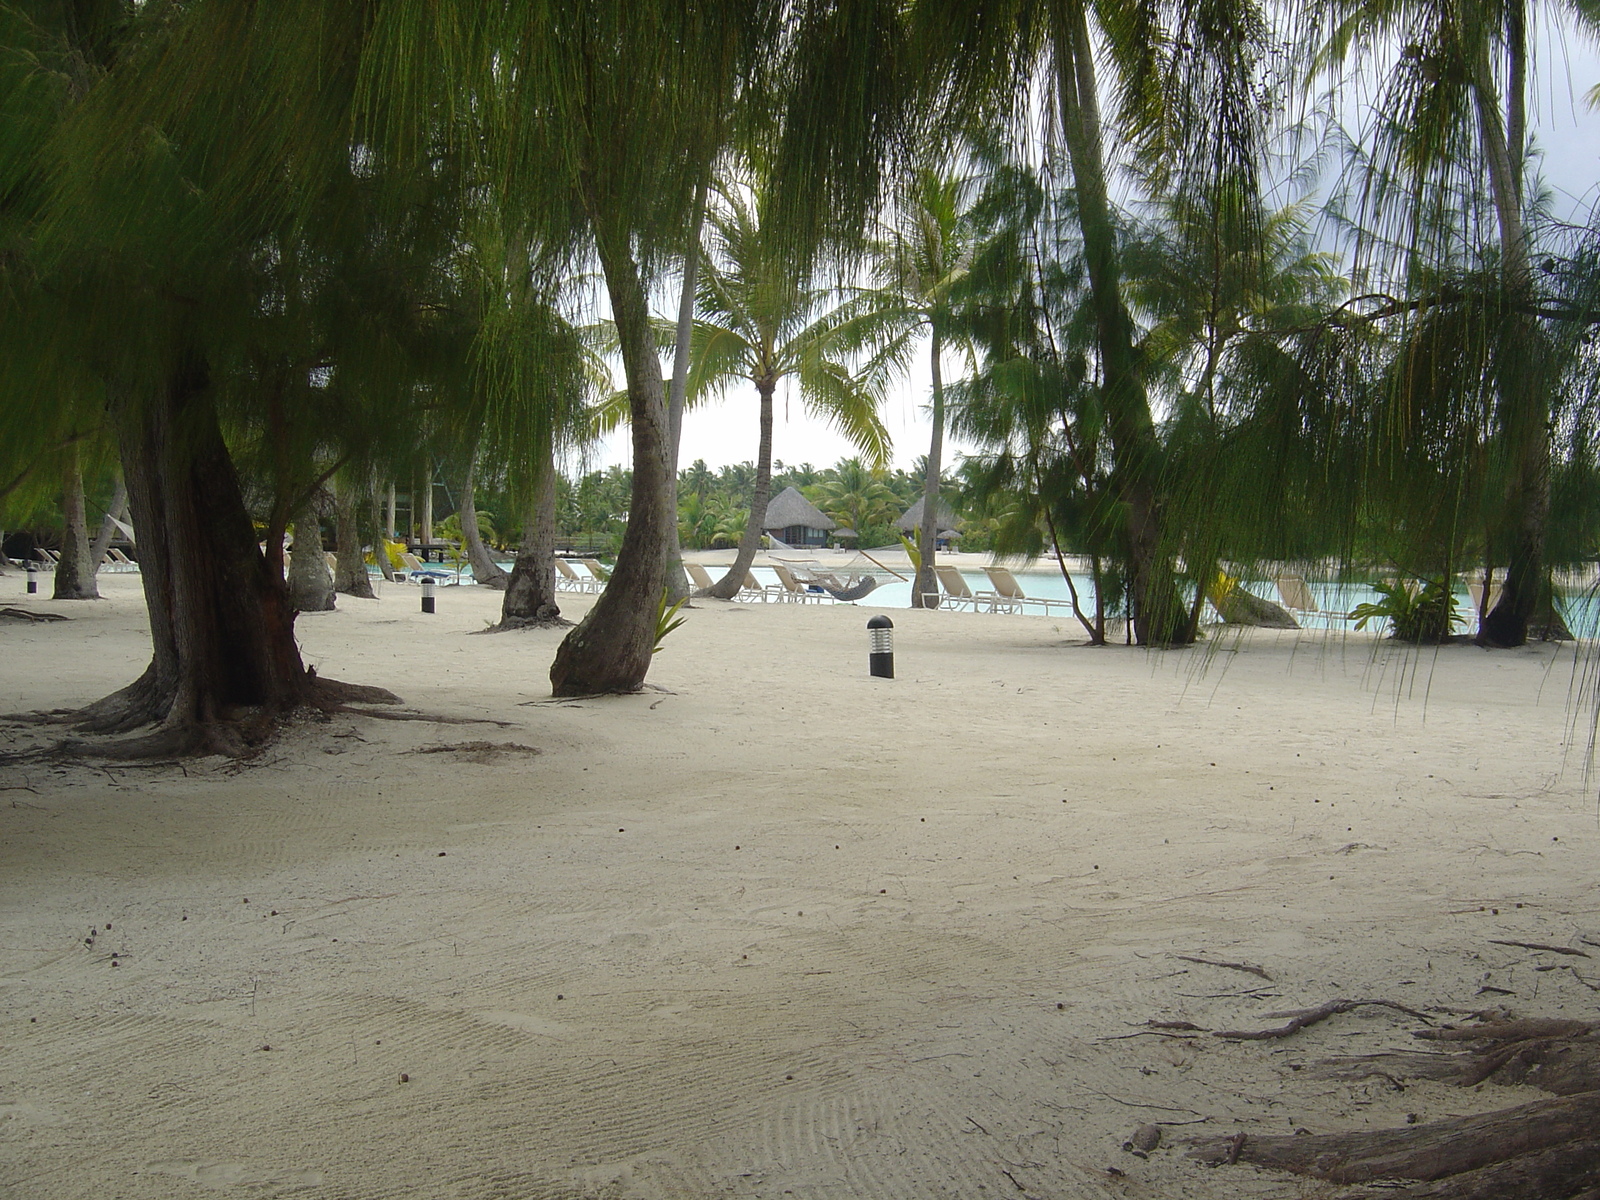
[{"x": 762, "y": 322}]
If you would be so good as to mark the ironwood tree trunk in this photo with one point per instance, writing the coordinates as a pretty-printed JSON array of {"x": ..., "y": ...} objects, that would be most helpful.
[
  {"x": 1159, "y": 616},
  {"x": 75, "y": 571},
  {"x": 1525, "y": 391},
  {"x": 116, "y": 511},
  {"x": 611, "y": 648},
  {"x": 224, "y": 662},
  {"x": 310, "y": 581},
  {"x": 350, "y": 576},
  {"x": 530, "y": 598},
  {"x": 425, "y": 530},
  {"x": 925, "y": 591},
  {"x": 484, "y": 569},
  {"x": 728, "y": 586}
]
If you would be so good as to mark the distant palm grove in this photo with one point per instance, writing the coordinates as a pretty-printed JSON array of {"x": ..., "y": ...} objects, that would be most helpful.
[{"x": 1211, "y": 286}]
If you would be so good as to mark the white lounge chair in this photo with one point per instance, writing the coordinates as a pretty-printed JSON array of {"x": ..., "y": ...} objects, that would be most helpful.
[
  {"x": 699, "y": 578},
  {"x": 1294, "y": 593},
  {"x": 793, "y": 589},
  {"x": 1012, "y": 598},
  {"x": 569, "y": 580},
  {"x": 957, "y": 594}
]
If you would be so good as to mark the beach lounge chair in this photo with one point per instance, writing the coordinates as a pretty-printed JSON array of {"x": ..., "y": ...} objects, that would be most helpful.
[
  {"x": 569, "y": 580},
  {"x": 1475, "y": 590},
  {"x": 753, "y": 589},
  {"x": 793, "y": 589},
  {"x": 1012, "y": 598},
  {"x": 1294, "y": 593},
  {"x": 957, "y": 594},
  {"x": 597, "y": 572},
  {"x": 116, "y": 560},
  {"x": 416, "y": 569},
  {"x": 699, "y": 578}
]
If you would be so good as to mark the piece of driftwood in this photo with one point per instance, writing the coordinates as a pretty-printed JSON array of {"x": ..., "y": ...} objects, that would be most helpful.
[
  {"x": 1247, "y": 968},
  {"x": 1568, "y": 950},
  {"x": 1420, "y": 1152},
  {"x": 1301, "y": 1018},
  {"x": 23, "y": 614}
]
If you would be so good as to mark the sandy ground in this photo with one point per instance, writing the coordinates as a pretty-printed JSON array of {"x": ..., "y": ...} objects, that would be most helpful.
[{"x": 777, "y": 928}]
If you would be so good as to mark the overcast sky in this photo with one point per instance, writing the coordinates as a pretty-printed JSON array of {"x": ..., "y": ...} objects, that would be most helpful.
[{"x": 1565, "y": 129}]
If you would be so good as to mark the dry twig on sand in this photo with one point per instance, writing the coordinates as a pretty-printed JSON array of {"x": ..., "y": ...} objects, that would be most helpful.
[{"x": 1299, "y": 1020}]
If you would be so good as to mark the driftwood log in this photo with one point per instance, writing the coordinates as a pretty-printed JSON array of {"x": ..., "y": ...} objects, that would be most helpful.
[{"x": 1547, "y": 1150}]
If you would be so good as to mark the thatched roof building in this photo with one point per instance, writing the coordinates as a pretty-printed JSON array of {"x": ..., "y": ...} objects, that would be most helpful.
[
  {"x": 911, "y": 520},
  {"x": 796, "y": 521}
]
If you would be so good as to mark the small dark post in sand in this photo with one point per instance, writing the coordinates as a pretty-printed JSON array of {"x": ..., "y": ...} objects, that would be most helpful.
[{"x": 880, "y": 659}]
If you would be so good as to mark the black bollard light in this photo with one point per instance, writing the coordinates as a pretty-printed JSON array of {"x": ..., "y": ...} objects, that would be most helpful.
[
  {"x": 880, "y": 656},
  {"x": 427, "y": 593},
  {"x": 33, "y": 578}
]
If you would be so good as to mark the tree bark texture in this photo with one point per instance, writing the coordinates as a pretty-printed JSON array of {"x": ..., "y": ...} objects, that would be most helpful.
[
  {"x": 484, "y": 569},
  {"x": 925, "y": 590},
  {"x": 1525, "y": 391},
  {"x": 75, "y": 571},
  {"x": 118, "y": 509},
  {"x": 350, "y": 576},
  {"x": 310, "y": 581},
  {"x": 425, "y": 530},
  {"x": 1159, "y": 616},
  {"x": 530, "y": 597},
  {"x": 221, "y": 625},
  {"x": 728, "y": 586},
  {"x": 611, "y": 648}
]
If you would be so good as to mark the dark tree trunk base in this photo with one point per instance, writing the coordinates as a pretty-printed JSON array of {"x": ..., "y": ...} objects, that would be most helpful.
[
  {"x": 546, "y": 616},
  {"x": 238, "y": 735}
]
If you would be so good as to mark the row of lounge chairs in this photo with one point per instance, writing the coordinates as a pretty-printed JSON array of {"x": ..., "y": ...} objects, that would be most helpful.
[{"x": 114, "y": 560}]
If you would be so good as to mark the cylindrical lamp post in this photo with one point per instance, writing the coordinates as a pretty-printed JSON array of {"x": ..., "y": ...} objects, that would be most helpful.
[
  {"x": 33, "y": 578},
  {"x": 427, "y": 593},
  {"x": 880, "y": 656}
]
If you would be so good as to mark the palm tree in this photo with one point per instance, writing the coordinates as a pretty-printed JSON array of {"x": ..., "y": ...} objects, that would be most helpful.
[
  {"x": 762, "y": 323},
  {"x": 856, "y": 495}
]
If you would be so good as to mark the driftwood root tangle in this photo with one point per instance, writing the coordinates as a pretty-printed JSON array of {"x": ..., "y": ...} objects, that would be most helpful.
[{"x": 1301, "y": 1018}]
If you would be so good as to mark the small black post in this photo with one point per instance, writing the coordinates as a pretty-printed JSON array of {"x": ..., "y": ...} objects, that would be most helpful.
[
  {"x": 427, "y": 593},
  {"x": 880, "y": 658},
  {"x": 33, "y": 578}
]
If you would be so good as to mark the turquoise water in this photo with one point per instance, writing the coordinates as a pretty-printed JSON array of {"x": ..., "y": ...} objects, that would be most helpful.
[{"x": 1582, "y": 610}]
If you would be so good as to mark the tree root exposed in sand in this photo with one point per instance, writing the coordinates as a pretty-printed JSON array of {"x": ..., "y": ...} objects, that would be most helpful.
[
  {"x": 1547, "y": 1150},
  {"x": 1301, "y": 1018},
  {"x": 238, "y": 735},
  {"x": 512, "y": 624},
  {"x": 23, "y": 614}
]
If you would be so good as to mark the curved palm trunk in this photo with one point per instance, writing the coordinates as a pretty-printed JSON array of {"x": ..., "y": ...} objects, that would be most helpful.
[
  {"x": 728, "y": 586},
  {"x": 1159, "y": 616},
  {"x": 925, "y": 591},
  {"x": 677, "y": 580},
  {"x": 611, "y": 648},
  {"x": 224, "y": 660},
  {"x": 531, "y": 587},
  {"x": 310, "y": 581},
  {"x": 484, "y": 569},
  {"x": 350, "y": 576},
  {"x": 116, "y": 511},
  {"x": 75, "y": 571}
]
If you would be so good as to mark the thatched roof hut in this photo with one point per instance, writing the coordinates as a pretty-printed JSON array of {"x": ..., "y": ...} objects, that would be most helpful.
[
  {"x": 911, "y": 520},
  {"x": 796, "y": 521}
]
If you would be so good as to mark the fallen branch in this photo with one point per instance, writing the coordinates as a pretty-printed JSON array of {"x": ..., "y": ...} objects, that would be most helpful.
[
  {"x": 1247, "y": 968},
  {"x": 1508, "y": 1031},
  {"x": 434, "y": 718},
  {"x": 1311, "y": 1016},
  {"x": 1425, "y": 1152},
  {"x": 22, "y": 614},
  {"x": 1541, "y": 946}
]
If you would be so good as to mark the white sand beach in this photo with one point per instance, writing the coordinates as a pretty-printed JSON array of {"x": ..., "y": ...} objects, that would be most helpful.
[{"x": 774, "y": 927}]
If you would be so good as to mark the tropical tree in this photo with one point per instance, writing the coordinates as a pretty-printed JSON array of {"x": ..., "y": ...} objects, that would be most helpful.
[
  {"x": 762, "y": 322},
  {"x": 1454, "y": 109}
]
